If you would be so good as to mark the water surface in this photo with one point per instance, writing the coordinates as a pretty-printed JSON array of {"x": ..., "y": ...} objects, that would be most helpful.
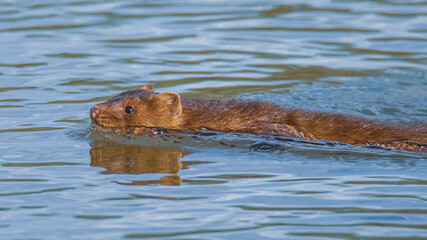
[{"x": 62, "y": 180}]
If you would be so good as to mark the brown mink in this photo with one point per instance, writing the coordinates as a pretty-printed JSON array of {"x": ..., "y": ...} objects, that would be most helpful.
[{"x": 144, "y": 109}]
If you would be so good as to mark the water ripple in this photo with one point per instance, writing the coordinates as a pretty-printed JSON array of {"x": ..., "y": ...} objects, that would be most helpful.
[
  {"x": 35, "y": 192},
  {"x": 299, "y": 29},
  {"x": 49, "y": 27},
  {"x": 154, "y": 39}
]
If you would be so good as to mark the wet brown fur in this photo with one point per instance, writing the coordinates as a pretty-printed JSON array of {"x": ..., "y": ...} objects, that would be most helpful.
[{"x": 169, "y": 110}]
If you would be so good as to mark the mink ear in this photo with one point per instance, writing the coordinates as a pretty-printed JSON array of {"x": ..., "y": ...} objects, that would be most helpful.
[
  {"x": 147, "y": 88},
  {"x": 172, "y": 101}
]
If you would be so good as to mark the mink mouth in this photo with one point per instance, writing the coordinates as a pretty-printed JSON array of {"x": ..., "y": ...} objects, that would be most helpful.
[
  {"x": 113, "y": 130},
  {"x": 98, "y": 126},
  {"x": 138, "y": 130}
]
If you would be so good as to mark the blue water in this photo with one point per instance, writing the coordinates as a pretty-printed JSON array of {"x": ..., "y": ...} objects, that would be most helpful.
[{"x": 61, "y": 179}]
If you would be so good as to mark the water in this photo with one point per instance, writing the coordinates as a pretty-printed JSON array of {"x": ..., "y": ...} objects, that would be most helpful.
[{"x": 62, "y": 180}]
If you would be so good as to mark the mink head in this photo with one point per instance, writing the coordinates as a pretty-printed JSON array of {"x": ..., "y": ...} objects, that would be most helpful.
[{"x": 138, "y": 108}]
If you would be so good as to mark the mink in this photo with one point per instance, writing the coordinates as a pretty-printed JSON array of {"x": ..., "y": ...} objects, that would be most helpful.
[{"x": 145, "y": 109}]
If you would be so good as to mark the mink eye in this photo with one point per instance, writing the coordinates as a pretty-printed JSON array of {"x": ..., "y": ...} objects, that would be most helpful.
[{"x": 129, "y": 109}]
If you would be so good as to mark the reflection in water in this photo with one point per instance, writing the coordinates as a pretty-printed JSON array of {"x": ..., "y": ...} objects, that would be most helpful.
[{"x": 131, "y": 159}]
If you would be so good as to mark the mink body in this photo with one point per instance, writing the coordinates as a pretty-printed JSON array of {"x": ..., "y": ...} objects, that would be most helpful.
[{"x": 170, "y": 111}]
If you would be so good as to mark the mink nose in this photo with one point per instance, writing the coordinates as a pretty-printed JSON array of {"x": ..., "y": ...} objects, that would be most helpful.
[{"x": 94, "y": 113}]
